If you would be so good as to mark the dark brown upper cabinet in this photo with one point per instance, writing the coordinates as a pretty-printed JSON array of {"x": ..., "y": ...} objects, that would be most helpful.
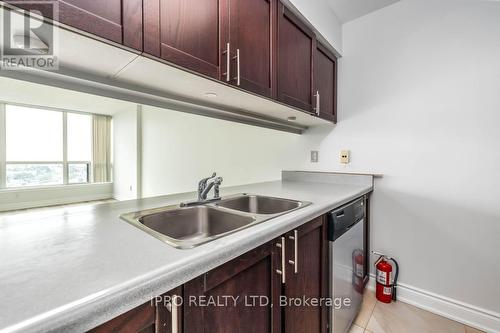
[
  {"x": 247, "y": 35},
  {"x": 325, "y": 84},
  {"x": 184, "y": 32},
  {"x": 119, "y": 21},
  {"x": 260, "y": 46},
  {"x": 296, "y": 44}
]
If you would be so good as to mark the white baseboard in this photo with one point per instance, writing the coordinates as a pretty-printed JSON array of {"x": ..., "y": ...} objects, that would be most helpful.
[{"x": 467, "y": 314}]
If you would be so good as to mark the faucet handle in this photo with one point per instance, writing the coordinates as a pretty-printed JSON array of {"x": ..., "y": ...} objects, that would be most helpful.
[
  {"x": 217, "y": 182},
  {"x": 204, "y": 180}
]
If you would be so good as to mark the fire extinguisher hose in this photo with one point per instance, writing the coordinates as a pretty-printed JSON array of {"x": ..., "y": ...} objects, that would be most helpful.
[{"x": 395, "y": 283}]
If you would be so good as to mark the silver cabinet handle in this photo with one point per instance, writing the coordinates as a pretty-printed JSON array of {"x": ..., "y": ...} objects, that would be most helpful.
[
  {"x": 172, "y": 307},
  {"x": 317, "y": 108},
  {"x": 295, "y": 261},
  {"x": 237, "y": 57},
  {"x": 227, "y": 52},
  {"x": 282, "y": 272}
]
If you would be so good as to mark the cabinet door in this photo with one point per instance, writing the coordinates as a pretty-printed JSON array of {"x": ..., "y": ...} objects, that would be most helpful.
[
  {"x": 310, "y": 279},
  {"x": 117, "y": 20},
  {"x": 325, "y": 82},
  {"x": 249, "y": 29},
  {"x": 160, "y": 315},
  {"x": 295, "y": 60},
  {"x": 184, "y": 32},
  {"x": 235, "y": 286},
  {"x": 169, "y": 312}
]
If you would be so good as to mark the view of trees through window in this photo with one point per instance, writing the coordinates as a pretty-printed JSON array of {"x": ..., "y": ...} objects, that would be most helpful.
[{"x": 46, "y": 147}]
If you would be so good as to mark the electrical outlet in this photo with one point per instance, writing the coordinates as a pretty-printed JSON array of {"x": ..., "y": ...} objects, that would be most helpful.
[
  {"x": 314, "y": 156},
  {"x": 344, "y": 156}
]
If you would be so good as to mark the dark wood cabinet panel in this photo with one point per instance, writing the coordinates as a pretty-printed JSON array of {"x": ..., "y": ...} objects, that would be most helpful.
[
  {"x": 132, "y": 16},
  {"x": 249, "y": 27},
  {"x": 311, "y": 279},
  {"x": 156, "y": 316},
  {"x": 296, "y": 43},
  {"x": 169, "y": 312},
  {"x": 184, "y": 32},
  {"x": 325, "y": 83},
  {"x": 246, "y": 278},
  {"x": 119, "y": 21}
]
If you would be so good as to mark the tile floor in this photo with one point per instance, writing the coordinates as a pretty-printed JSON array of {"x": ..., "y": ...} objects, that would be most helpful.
[{"x": 399, "y": 317}]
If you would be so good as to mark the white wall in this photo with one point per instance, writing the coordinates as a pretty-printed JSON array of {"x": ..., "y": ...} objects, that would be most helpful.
[
  {"x": 180, "y": 149},
  {"x": 420, "y": 103},
  {"x": 125, "y": 151},
  {"x": 323, "y": 18}
]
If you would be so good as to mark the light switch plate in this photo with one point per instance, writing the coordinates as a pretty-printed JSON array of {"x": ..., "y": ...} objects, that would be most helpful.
[
  {"x": 314, "y": 156},
  {"x": 345, "y": 156}
]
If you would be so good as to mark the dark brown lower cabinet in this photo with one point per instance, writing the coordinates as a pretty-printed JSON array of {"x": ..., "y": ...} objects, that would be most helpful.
[
  {"x": 244, "y": 294},
  {"x": 162, "y": 314},
  {"x": 140, "y": 319},
  {"x": 307, "y": 278},
  {"x": 262, "y": 290}
]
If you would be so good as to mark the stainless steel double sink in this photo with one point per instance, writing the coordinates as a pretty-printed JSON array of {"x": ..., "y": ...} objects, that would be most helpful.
[{"x": 188, "y": 227}]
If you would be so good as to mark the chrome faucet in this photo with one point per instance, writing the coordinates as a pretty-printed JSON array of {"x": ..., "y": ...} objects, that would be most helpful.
[
  {"x": 206, "y": 184},
  {"x": 204, "y": 187}
]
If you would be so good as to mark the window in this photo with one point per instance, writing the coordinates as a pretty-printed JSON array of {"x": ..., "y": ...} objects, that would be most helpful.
[
  {"x": 79, "y": 147},
  {"x": 34, "y": 147},
  {"x": 40, "y": 147}
]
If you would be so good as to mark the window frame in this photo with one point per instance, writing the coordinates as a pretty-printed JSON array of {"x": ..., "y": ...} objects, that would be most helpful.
[{"x": 65, "y": 162}]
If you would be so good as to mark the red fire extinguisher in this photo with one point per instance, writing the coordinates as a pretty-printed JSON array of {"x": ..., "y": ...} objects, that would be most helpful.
[{"x": 386, "y": 279}]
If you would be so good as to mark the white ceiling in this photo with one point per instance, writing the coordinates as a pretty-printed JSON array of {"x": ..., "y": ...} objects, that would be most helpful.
[{"x": 348, "y": 10}]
